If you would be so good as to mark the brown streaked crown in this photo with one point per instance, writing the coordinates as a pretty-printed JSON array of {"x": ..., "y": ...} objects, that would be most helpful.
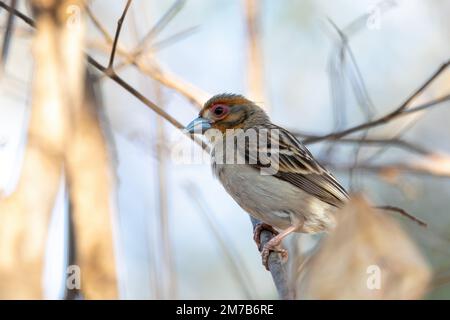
[
  {"x": 241, "y": 111},
  {"x": 229, "y": 99}
]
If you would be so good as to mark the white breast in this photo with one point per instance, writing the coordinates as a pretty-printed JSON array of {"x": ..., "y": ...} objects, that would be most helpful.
[{"x": 273, "y": 200}]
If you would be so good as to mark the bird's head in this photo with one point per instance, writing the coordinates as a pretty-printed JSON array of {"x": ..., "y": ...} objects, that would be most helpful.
[{"x": 227, "y": 111}]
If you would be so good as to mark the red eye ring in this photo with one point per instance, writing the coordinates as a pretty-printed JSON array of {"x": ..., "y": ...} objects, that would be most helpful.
[{"x": 219, "y": 111}]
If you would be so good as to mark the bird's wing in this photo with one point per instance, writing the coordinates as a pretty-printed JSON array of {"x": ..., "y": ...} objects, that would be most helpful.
[{"x": 296, "y": 165}]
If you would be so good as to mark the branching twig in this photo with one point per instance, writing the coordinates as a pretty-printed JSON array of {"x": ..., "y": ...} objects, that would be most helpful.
[
  {"x": 398, "y": 112},
  {"x": 118, "y": 80},
  {"x": 194, "y": 94}
]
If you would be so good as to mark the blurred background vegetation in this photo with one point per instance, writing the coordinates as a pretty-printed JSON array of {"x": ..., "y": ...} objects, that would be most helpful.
[{"x": 171, "y": 218}]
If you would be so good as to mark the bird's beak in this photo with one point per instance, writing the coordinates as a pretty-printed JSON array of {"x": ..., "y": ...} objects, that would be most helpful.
[{"x": 199, "y": 125}]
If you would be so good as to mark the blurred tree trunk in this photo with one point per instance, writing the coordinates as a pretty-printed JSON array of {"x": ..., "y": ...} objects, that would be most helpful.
[
  {"x": 64, "y": 131},
  {"x": 25, "y": 213},
  {"x": 255, "y": 59},
  {"x": 90, "y": 181}
]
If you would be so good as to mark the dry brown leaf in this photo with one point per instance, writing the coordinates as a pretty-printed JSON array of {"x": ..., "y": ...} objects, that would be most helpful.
[{"x": 364, "y": 245}]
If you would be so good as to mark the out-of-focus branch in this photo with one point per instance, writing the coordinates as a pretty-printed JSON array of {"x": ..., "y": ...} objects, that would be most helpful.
[
  {"x": 397, "y": 142},
  {"x": 158, "y": 27},
  {"x": 7, "y": 35},
  {"x": 25, "y": 213},
  {"x": 435, "y": 165},
  {"x": 255, "y": 87},
  {"x": 151, "y": 67},
  {"x": 361, "y": 241},
  {"x": 396, "y": 113},
  {"x": 230, "y": 253},
  {"x": 91, "y": 188},
  {"x": 125, "y": 85},
  {"x": 143, "y": 99},
  {"x": 168, "y": 270},
  {"x": 255, "y": 59},
  {"x": 64, "y": 128}
]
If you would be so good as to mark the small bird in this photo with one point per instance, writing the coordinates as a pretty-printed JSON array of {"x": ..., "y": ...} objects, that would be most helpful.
[{"x": 299, "y": 196}]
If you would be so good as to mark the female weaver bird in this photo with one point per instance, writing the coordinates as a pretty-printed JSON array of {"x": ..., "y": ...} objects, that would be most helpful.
[{"x": 299, "y": 196}]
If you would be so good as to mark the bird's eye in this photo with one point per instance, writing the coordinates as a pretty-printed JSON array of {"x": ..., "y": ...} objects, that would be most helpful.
[{"x": 220, "y": 110}]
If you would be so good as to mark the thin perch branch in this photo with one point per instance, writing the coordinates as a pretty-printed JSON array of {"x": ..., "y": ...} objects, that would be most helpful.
[{"x": 276, "y": 266}]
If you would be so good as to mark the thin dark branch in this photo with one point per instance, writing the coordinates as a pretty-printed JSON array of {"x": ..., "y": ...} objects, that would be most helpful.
[
  {"x": 119, "y": 81},
  {"x": 8, "y": 34},
  {"x": 398, "y": 112},
  {"x": 143, "y": 99},
  {"x": 397, "y": 142},
  {"x": 116, "y": 36},
  {"x": 387, "y": 168},
  {"x": 428, "y": 104},
  {"x": 403, "y": 213},
  {"x": 18, "y": 14}
]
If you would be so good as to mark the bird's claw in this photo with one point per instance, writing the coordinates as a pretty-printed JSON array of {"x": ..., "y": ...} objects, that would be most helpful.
[
  {"x": 272, "y": 247},
  {"x": 260, "y": 227}
]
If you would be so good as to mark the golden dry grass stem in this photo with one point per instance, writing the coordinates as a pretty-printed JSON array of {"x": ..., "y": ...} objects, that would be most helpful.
[
  {"x": 63, "y": 134},
  {"x": 169, "y": 274},
  {"x": 255, "y": 59},
  {"x": 25, "y": 213},
  {"x": 90, "y": 180}
]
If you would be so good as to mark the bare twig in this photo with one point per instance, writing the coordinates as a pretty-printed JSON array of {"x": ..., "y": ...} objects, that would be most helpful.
[
  {"x": 143, "y": 99},
  {"x": 403, "y": 213},
  {"x": 167, "y": 250},
  {"x": 397, "y": 142},
  {"x": 8, "y": 33},
  {"x": 117, "y": 35},
  {"x": 194, "y": 94},
  {"x": 254, "y": 74},
  {"x": 396, "y": 113},
  {"x": 432, "y": 165},
  {"x": 18, "y": 14}
]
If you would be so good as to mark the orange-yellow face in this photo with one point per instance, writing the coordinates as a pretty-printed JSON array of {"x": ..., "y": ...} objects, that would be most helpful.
[{"x": 222, "y": 112}]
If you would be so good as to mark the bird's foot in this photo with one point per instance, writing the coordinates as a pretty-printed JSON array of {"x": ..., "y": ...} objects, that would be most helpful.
[
  {"x": 260, "y": 227},
  {"x": 274, "y": 245}
]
